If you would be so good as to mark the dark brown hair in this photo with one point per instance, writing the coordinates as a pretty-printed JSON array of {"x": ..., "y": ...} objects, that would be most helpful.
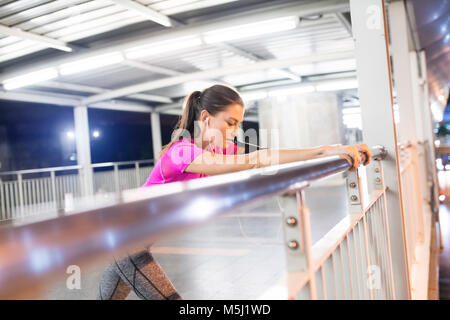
[{"x": 214, "y": 99}]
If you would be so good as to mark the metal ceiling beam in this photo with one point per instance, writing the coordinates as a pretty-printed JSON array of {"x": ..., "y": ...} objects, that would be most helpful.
[
  {"x": 272, "y": 85},
  {"x": 146, "y": 12},
  {"x": 226, "y": 46},
  {"x": 254, "y": 57},
  {"x": 71, "y": 101},
  {"x": 151, "y": 68},
  {"x": 91, "y": 89},
  {"x": 219, "y": 72},
  {"x": 38, "y": 98},
  {"x": 345, "y": 23},
  {"x": 244, "y": 17},
  {"x": 46, "y": 41}
]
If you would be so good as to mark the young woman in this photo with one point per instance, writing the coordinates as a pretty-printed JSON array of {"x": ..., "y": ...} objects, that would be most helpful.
[{"x": 200, "y": 147}]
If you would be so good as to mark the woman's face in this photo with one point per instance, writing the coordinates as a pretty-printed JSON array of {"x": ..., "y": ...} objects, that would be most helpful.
[{"x": 224, "y": 125}]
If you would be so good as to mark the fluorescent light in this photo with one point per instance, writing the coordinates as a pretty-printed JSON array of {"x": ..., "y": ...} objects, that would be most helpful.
[
  {"x": 91, "y": 63},
  {"x": 251, "y": 30},
  {"x": 171, "y": 7},
  {"x": 353, "y": 110},
  {"x": 70, "y": 134},
  {"x": 96, "y": 133},
  {"x": 290, "y": 91},
  {"x": 337, "y": 85},
  {"x": 30, "y": 78},
  {"x": 325, "y": 67},
  {"x": 256, "y": 95},
  {"x": 162, "y": 47}
]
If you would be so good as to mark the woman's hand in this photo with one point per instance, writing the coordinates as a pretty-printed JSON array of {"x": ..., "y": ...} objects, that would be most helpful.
[
  {"x": 352, "y": 155},
  {"x": 363, "y": 148}
]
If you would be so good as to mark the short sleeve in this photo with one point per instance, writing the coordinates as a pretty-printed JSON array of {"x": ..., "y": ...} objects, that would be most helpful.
[
  {"x": 182, "y": 154},
  {"x": 231, "y": 149}
]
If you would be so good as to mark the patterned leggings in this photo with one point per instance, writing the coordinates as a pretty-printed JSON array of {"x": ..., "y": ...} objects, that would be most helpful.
[{"x": 139, "y": 272}]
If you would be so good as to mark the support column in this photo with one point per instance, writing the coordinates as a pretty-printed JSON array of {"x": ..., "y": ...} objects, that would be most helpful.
[
  {"x": 156, "y": 134},
  {"x": 301, "y": 120},
  {"x": 428, "y": 132},
  {"x": 375, "y": 95},
  {"x": 403, "y": 71},
  {"x": 83, "y": 150}
]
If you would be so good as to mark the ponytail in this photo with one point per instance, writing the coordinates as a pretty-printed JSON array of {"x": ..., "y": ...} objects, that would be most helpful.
[{"x": 190, "y": 113}]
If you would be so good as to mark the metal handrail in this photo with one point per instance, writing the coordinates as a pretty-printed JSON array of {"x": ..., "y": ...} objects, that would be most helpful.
[
  {"x": 40, "y": 170},
  {"x": 76, "y": 167},
  {"x": 31, "y": 254}
]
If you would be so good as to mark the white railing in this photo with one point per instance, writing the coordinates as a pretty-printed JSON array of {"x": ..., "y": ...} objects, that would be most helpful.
[
  {"x": 353, "y": 260},
  {"x": 24, "y": 196},
  {"x": 416, "y": 198}
]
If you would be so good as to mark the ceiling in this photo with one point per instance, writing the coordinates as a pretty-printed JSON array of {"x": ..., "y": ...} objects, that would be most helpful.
[{"x": 73, "y": 30}]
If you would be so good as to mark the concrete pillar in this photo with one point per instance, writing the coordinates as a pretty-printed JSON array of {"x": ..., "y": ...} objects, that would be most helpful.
[
  {"x": 302, "y": 120},
  {"x": 83, "y": 149},
  {"x": 404, "y": 71},
  {"x": 156, "y": 134}
]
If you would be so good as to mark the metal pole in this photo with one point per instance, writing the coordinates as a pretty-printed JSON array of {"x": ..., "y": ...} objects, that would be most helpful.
[
  {"x": 116, "y": 178},
  {"x": 156, "y": 134},
  {"x": 2, "y": 200},
  {"x": 53, "y": 181},
  {"x": 83, "y": 149},
  {"x": 136, "y": 166},
  {"x": 403, "y": 73},
  {"x": 20, "y": 184},
  {"x": 375, "y": 95}
]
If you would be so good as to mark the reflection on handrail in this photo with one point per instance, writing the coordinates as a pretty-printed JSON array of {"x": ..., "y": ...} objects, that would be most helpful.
[{"x": 33, "y": 254}]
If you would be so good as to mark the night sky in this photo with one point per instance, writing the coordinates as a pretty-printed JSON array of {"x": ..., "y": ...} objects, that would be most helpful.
[{"x": 35, "y": 135}]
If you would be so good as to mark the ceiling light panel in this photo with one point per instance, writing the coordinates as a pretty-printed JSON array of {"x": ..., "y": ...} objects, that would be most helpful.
[
  {"x": 91, "y": 63},
  {"x": 163, "y": 47},
  {"x": 30, "y": 78},
  {"x": 250, "y": 30}
]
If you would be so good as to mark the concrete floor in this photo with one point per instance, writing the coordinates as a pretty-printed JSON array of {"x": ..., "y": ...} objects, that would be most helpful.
[{"x": 236, "y": 256}]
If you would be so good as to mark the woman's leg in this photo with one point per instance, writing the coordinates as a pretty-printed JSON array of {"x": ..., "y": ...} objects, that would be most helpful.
[
  {"x": 146, "y": 277},
  {"x": 111, "y": 286}
]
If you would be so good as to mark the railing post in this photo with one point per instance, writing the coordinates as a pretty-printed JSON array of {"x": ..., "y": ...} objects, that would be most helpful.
[
  {"x": 136, "y": 165},
  {"x": 297, "y": 239},
  {"x": 378, "y": 184},
  {"x": 53, "y": 181},
  {"x": 2, "y": 200},
  {"x": 356, "y": 200},
  {"x": 20, "y": 185},
  {"x": 83, "y": 149},
  {"x": 116, "y": 177}
]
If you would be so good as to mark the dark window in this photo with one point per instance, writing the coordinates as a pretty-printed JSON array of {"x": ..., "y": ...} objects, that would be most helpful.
[
  {"x": 35, "y": 136},
  {"x": 119, "y": 135}
]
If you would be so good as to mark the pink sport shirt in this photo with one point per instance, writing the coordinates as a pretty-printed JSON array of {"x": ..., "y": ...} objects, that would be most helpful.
[{"x": 170, "y": 167}]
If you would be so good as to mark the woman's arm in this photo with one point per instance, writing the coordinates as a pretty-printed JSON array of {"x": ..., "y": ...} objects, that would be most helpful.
[{"x": 211, "y": 164}]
